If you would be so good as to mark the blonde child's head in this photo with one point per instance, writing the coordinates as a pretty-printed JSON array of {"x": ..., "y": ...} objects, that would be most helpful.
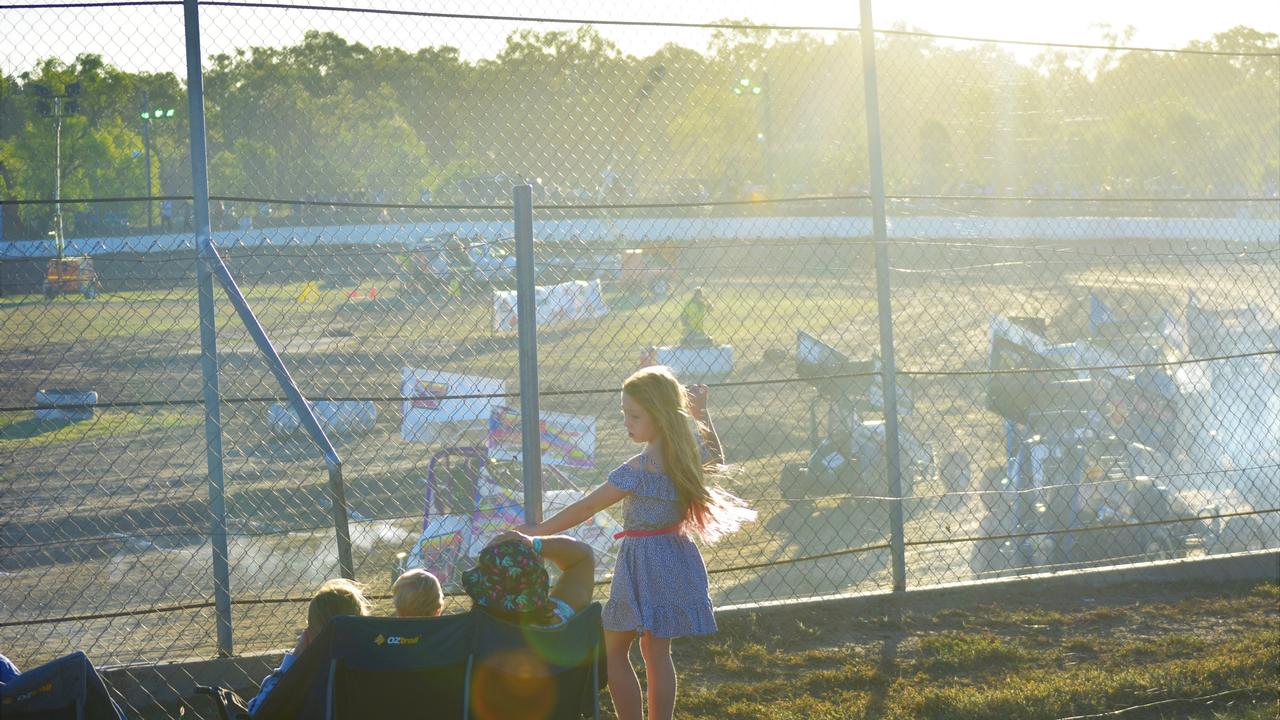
[
  {"x": 335, "y": 597},
  {"x": 657, "y": 391},
  {"x": 417, "y": 593}
]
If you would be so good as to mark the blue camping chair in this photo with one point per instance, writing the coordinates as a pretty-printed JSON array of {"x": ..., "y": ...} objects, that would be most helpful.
[
  {"x": 68, "y": 687},
  {"x": 463, "y": 666}
]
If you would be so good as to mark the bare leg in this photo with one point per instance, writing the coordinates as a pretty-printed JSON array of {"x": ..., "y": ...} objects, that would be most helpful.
[
  {"x": 660, "y": 675},
  {"x": 624, "y": 687}
]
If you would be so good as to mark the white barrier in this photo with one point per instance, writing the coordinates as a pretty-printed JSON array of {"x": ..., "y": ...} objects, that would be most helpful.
[
  {"x": 65, "y": 404},
  {"x": 697, "y": 363},
  {"x": 925, "y": 227},
  {"x": 340, "y": 417}
]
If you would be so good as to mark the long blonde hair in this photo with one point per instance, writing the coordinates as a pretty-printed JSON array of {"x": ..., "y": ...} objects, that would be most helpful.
[{"x": 657, "y": 390}]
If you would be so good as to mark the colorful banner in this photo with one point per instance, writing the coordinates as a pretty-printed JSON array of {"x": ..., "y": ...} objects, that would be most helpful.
[
  {"x": 567, "y": 440},
  {"x": 497, "y": 509},
  {"x": 443, "y": 548},
  {"x": 425, "y": 406}
]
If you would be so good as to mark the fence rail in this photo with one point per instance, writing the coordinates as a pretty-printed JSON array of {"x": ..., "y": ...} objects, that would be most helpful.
[{"x": 1043, "y": 335}]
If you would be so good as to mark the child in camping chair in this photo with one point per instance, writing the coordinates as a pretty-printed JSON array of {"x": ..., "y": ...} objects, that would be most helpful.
[{"x": 335, "y": 597}]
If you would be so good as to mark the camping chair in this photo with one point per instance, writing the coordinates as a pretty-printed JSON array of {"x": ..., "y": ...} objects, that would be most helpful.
[
  {"x": 68, "y": 687},
  {"x": 464, "y": 666}
]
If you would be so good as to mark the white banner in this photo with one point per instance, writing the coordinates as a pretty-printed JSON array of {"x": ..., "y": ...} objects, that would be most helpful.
[
  {"x": 567, "y": 440},
  {"x": 425, "y": 411},
  {"x": 556, "y": 304}
]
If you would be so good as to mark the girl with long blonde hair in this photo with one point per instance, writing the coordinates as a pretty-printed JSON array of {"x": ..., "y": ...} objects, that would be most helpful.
[{"x": 660, "y": 588}]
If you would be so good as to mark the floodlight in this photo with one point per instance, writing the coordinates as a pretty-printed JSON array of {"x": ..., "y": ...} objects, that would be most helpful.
[
  {"x": 40, "y": 90},
  {"x": 71, "y": 106},
  {"x": 73, "y": 89}
]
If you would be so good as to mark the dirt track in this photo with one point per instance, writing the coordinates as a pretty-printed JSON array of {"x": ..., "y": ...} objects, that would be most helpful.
[{"x": 67, "y": 502}]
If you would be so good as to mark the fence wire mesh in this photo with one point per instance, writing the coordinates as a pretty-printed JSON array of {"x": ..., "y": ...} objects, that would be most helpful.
[{"x": 1082, "y": 251}]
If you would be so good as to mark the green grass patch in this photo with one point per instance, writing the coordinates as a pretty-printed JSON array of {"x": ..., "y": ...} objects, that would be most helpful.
[
  {"x": 968, "y": 652},
  {"x": 22, "y": 430},
  {"x": 741, "y": 316},
  {"x": 1162, "y": 647},
  {"x": 817, "y": 693},
  {"x": 1046, "y": 618},
  {"x": 1267, "y": 591}
]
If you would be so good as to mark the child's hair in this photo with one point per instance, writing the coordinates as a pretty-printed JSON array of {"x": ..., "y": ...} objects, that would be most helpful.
[
  {"x": 657, "y": 390},
  {"x": 335, "y": 597},
  {"x": 417, "y": 593}
]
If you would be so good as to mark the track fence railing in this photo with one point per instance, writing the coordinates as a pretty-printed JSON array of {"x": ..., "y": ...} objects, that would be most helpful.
[{"x": 967, "y": 308}]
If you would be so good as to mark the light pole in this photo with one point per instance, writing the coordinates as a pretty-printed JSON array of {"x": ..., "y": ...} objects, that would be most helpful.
[
  {"x": 148, "y": 114},
  {"x": 653, "y": 78},
  {"x": 50, "y": 104}
]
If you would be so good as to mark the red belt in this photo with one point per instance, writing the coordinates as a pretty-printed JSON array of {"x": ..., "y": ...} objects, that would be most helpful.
[{"x": 648, "y": 533}]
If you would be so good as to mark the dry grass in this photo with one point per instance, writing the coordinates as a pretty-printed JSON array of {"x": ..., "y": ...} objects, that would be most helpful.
[{"x": 1061, "y": 656}]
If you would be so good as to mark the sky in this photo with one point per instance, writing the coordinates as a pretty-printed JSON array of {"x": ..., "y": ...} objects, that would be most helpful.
[{"x": 151, "y": 38}]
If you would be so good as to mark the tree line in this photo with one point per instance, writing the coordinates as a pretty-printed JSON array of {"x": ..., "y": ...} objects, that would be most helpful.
[{"x": 755, "y": 114}]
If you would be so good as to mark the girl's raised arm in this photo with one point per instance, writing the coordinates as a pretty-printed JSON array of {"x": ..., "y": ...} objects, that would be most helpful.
[
  {"x": 698, "y": 395},
  {"x": 579, "y": 512}
]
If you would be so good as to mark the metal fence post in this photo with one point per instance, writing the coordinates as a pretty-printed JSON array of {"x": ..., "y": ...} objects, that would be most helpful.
[
  {"x": 208, "y": 329},
  {"x": 527, "y": 319},
  {"x": 341, "y": 523},
  {"x": 884, "y": 298},
  {"x": 306, "y": 415}
]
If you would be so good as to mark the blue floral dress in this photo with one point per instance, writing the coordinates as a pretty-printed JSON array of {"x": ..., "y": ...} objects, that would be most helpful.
[{"x": 660, "y": 582}]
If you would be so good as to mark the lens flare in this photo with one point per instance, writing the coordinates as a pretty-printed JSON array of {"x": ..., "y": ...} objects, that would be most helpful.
[{"x": 517, "y": 683}]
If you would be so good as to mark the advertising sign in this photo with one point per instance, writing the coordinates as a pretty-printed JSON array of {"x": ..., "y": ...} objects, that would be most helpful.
[
  {"x": 567, "y": 440},
  {"x": 427, "y": 401}
]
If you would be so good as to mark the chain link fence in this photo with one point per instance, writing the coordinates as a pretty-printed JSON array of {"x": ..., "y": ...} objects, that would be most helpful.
[{"x": 1081, "y": 253}]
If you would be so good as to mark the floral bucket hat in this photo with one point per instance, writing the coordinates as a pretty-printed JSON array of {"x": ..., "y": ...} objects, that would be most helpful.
[{"x": 510, "y": 578}]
